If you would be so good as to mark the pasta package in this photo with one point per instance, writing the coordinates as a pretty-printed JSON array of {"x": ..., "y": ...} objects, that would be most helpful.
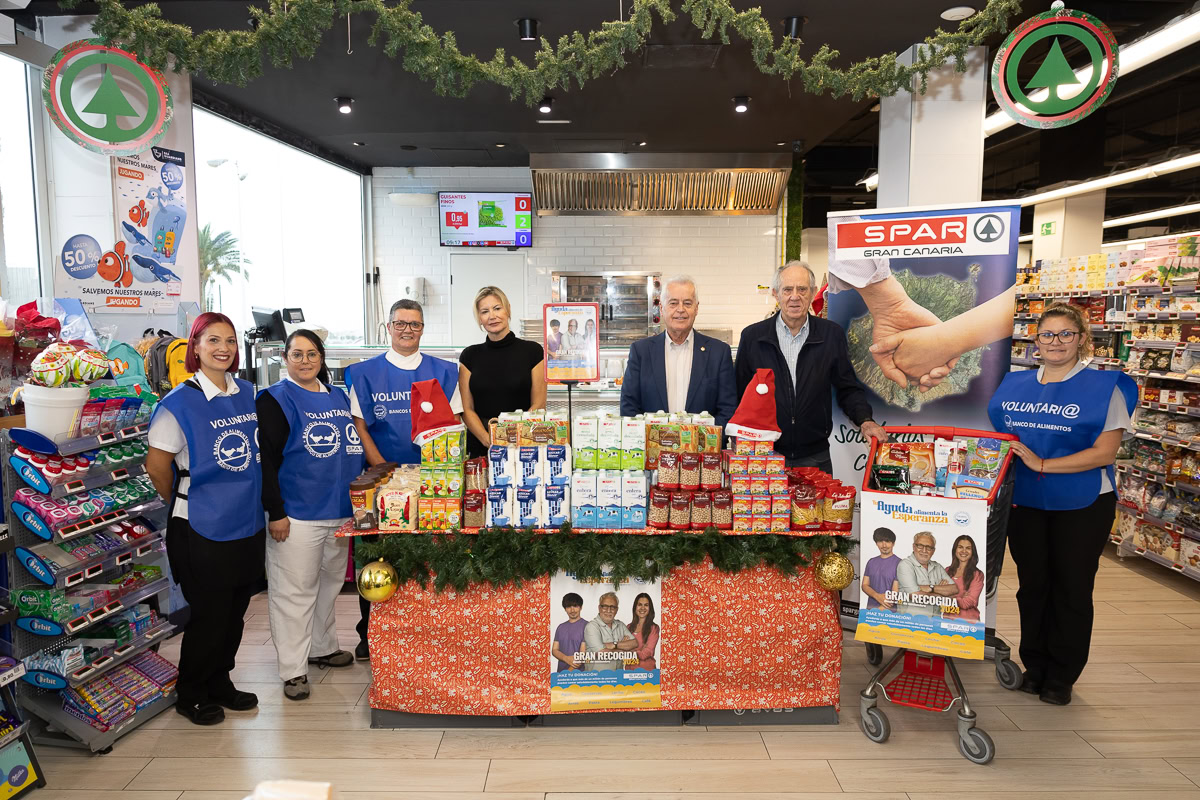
[
  {"x": 838, "y": 511},
  {"x": 892, "y": 454},
  {"x": 806, "y": 515},
  {"x": 921, "y": 468}
]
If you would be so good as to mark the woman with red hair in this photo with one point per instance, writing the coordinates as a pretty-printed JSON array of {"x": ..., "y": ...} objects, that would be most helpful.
[{"x": 204, "y": 461}]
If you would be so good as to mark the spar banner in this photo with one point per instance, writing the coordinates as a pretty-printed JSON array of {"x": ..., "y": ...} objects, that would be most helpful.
[
  {"x": 604, "y": 644},
  {"x": 926, "y": 297},
  {"x": 923, "y": 575}
]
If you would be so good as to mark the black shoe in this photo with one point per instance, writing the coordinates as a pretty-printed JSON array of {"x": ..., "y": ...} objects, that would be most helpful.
[
  {"x": 362, "y": 652},
  {"x": 200, "y": 713},
  {"x": 235, "y": 700},
  {"x": 1030, "y": 684},
  {"x": 1055, "y": 695}
]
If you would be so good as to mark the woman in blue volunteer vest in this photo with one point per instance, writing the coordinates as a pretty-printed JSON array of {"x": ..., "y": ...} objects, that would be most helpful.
[
  {"x": 1070, "y": 420},
  {"x": 311, "y": 452},
  {"x": 204, "y": 460},
  {"x": 380, "y": 403}
]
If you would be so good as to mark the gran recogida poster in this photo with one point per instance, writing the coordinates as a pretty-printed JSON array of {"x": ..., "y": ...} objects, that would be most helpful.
[{"x": 893, "y": 271}]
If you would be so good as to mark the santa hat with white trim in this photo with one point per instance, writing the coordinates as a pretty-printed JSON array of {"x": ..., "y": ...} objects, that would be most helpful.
[
  {"x": 755, "y": 415},
  {"x": 431, "y": 414}
]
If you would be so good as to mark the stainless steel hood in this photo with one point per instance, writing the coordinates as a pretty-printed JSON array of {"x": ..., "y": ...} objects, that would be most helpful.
[{"x": 648, "y": 184}]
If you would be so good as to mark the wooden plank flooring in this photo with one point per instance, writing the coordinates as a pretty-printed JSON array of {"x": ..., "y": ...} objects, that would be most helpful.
[{"x": 1129, "y": 733}]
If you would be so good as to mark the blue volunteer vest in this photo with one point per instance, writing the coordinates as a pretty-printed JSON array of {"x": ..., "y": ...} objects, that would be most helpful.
[
  {"x": 323, "y": 452},
  {"x": 225, "y": 494},
  {"x": 1055, "y": 420},
  {"x": 384, "y": 394}
]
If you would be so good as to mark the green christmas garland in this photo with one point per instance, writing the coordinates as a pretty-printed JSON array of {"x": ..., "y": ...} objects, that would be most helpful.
[
  {"x": 292, "y": 29},
  {"x": 504, "y": 556}
]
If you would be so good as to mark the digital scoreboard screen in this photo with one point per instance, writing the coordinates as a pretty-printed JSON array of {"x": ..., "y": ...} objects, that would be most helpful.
[{"x": 486, "y": 219}]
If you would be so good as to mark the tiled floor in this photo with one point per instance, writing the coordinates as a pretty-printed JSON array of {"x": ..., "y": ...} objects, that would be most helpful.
[{"x": 1130, "y": 733}]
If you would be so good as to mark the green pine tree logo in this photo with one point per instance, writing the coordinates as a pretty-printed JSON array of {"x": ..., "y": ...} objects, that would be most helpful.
[
  {"x": 111, "y": 103},
  {"x": 1053, "y": 74}
]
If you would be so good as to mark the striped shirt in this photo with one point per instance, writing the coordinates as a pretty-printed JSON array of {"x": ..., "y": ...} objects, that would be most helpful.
[{"x": 791, "y": 344}]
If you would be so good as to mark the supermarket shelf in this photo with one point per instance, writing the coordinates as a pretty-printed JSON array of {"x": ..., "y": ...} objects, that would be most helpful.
[
  {"x": 1026, "y": 363},
  {"x": 122, "y": 654},
  {"x": 1174, "y": 527},
  {"x": 1186, "y": 444},
  {"x": 82, "y": 623},
  {"x": 1150, "y": 344},
  {"x": 1157, "y": 559},
  {"x": 69, "y": 447},
  {"x": 1164, "y": 376},
  {"x": 1016, "y": 338},
  {"x": 88, "y": 569},
  {"x": 1072, "y": 293},
  {"x": 14, "y": 734},
  {"x": 1173, "y": 408},
  {"x": 1158, "y": 477},
  {"x": 11, "y": 674},
  {"x": 95, "y": 480},
  {"x": 1165, "y": 316},
  {"x": 1107, "y": 326},
  {"x": 1170, "y": 288},
  {"x": 48, "y": 706}
]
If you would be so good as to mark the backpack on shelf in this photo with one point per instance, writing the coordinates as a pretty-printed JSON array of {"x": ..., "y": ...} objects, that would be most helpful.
[{"x": 165, "y": 358}]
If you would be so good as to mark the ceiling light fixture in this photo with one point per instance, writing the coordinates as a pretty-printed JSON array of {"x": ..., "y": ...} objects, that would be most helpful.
[
  {"x": 741, "y": 104},
  {"x": 793, "y": 28},
  {"x": 1025, "y": 238},
  {"x": 545, "y": 105},
  {"x": 344, "y": 104},
  {"x": 501, "y": 144},
  {"x": 528, "y": 29},
  {"x": 641, "y": 144},
  {"x": 359, "y": 144},
  {"x": 870, "y": 181},
  {"x": 1115, "y": 179},
  {"x": 554, "y": 122},
  {"x": 1162, "y": 213},
  {"x": 780, "y": 144},
  {"x": 958, "y": 13},
  {"x": 1172, "y": 37}
]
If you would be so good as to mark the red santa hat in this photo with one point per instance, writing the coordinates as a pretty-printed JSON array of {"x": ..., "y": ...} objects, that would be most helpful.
[
  {"x": 431, "y": 414},
  {"x": 755, "y": 415}
]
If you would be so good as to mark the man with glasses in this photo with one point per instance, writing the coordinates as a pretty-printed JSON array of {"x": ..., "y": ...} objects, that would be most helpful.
[
  {"x": 920, "y": 574},
  {"x": 809, "y": 355},
  {"x": 607, "y": 634},
  {"x": 380, "y": 401}
]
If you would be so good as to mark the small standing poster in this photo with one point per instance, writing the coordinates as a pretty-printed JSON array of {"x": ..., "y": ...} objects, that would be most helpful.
[{"x": 572, "y": 342}]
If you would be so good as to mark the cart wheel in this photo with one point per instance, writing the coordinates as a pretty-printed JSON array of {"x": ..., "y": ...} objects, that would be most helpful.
[
  {"x": 979, "y": 749},
  {"x": 874, "y": 724},
  {"x": 874, "y": 654},
  {"x": 1008, "y": 674}
]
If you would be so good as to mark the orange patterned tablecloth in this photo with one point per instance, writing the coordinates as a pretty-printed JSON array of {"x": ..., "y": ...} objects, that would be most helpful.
[{"x": 754, "y": 639}]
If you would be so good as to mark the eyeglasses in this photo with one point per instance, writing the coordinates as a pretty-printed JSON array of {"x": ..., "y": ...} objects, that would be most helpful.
[
  {"x": 924, "y": 547},
  {"x": 614, "y": 608},
  {"x": 1066, "y": 337},
  {"x": 413, "y": 326},
  {"x": 297, "y": 356}
]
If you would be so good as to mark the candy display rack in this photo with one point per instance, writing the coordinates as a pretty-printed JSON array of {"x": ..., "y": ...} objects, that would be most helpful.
[{"x": 44, "y": 558}]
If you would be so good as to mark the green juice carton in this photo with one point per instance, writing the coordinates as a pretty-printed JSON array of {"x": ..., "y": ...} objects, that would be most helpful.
[
  {"x": 608, "y": 443},
  {"x": 584, "y": 439},
  {"x": 633, "y": 443}
]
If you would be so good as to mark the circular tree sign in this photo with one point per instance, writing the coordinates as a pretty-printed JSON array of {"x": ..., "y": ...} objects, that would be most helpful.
[
  {"x": 104, "y": 99},
  {"x": 1058, "y": 94}
]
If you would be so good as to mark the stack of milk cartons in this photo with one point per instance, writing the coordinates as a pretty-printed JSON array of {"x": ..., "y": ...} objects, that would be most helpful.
[
  {"x": 529, "y": 482},
  {"x": 609, "y": 487}
]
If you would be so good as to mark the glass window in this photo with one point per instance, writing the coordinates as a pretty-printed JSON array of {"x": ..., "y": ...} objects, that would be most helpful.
[
  {"x": 279, "y": 228},
  {"x": 19, "y": 264}
]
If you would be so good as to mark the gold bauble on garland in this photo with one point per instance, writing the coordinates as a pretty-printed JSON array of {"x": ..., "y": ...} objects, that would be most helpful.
[
  {"x": 834, "y": 572},
  {"x": 378, "y": 581}
]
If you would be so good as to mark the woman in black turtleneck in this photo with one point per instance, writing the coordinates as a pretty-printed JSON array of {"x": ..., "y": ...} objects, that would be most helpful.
[{"x": 503, "y": 373}]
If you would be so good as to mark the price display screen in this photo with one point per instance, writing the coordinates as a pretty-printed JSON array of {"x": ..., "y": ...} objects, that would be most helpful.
[{"x": 486, "y": 219}]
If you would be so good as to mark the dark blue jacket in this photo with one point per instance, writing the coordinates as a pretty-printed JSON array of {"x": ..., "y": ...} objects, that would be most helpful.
[
  {"x": 710, "y": 389},
  {"x": 804, "y": 410}
]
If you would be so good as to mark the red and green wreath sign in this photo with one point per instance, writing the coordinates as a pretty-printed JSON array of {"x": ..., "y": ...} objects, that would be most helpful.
[
  {"x": 1056, "y": 95},
  {"x": 104, "y": 99}
]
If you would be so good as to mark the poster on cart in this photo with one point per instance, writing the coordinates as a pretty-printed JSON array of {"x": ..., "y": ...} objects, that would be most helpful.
[
  {"x": 604, "y": 644},
  {"x": 932, "y": 290},
  {"x": 572, "y": 345},
  {"x": 922, "y": 576}
]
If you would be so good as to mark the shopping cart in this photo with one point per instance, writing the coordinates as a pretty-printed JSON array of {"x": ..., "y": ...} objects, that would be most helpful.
[{"x": 922, "y": 681}]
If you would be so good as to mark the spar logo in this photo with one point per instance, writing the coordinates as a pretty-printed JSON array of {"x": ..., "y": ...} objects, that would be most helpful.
[
  {"x": 322, "y": 439},
  {"x": 232, "y": 451},
  {"x": 353, "y": 442},
  {"x": 902, "y": 232},
  {"x": 988, "y": 228}
]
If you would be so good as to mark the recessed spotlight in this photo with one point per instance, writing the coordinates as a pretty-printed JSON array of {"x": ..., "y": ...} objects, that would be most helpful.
[
  {"x": 641, "y": 144},
  {"x": 793, "y": 28},
  {"x": 958, "y": 13},
  {"x": 554, "y": 122},
  {"x": 528, "y": 29},
  {"x": 741, "y": 104},
  {"x": 545, "y": 105},
  {"x": 501, "y": 144},
  {"x": 408, "y": 147},
  {"x": 359, "y": 144},
  {"x": 780, "y": 144},
  {"x": 344, "y": 104}
]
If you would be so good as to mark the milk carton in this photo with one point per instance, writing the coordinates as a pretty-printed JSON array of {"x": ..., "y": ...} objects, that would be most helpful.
[
  {"x": 502, "y": 465},
  {"x": 608, "y": 498},
  {"x": 633, "y": 499},
  {"x": 583, "y": 497},
  {"x": 556, "y": 504},
  {"x": 528, "y": 508},
  {"x": 530, "y": 466},
  {"x": 633, "y": 443},
  {"x": 558, "y": 465},
  {"x": 608, "y": 443},
  {"x": 584, "y": 440},
  {"x": 499, "y": 506}
]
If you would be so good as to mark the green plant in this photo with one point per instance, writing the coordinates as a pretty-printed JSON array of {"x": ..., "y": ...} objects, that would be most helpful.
[{"x": 220, "y": 259}]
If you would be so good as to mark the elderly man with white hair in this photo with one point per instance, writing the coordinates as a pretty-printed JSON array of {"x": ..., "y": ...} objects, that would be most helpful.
[{"x": 679, "y": 370}]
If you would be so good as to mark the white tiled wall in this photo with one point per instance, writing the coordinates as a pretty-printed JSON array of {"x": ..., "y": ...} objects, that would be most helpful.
[{"x": 728, "y": 256}]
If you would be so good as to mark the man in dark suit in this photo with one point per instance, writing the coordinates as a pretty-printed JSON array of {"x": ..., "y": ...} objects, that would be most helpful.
[{"x": 679, "y": 370}]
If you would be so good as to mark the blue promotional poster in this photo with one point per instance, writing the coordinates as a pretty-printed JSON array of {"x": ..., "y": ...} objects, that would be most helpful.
[
  {"x": 604, "y": 644},
  {"x": 926, "y": 298}
]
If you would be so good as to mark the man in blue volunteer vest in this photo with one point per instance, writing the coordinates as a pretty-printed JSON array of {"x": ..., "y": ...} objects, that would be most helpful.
[{"x": 380, "y": 401}]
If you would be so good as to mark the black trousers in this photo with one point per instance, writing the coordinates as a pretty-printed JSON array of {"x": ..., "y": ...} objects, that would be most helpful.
[
  {"x": 822, "y": 461},
  {"x": 1057, "y": 554},
  {"x": 364, "y": 613},
  {"x": 218, "y": 579}
]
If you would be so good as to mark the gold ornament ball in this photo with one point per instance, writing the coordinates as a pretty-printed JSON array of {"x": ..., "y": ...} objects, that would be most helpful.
[
  {"x": 378, "y": 581},
  {"x": 834, "y": 572}
]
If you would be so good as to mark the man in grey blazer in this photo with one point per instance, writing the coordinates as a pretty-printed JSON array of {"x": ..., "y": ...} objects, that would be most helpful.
[{"x": 680, "y": 370}]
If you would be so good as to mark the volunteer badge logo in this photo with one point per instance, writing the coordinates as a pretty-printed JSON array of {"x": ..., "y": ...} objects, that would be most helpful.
[
  {"x": 104, "y": 99},
  {"x": 1059, "y": 92},
  {"x": 232, "y": 450},
  {"x": 321, "y": 439}
]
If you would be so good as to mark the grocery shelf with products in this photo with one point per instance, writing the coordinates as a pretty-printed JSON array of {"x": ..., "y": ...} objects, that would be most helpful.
[{"x": 1144, "y": 307}]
